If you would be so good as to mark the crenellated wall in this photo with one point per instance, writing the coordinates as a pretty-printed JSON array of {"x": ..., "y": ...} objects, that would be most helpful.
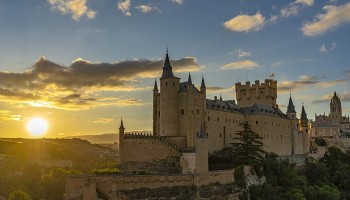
[{"x": 262, "y": 93}]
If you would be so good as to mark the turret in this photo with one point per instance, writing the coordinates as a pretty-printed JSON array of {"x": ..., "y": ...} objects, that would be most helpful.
[
  {"x": 303, "y": 121},
  {"x": 121, "y": 141},
  {"x": 304, "y": 128},
  {"x": 169, "y": 101},
  {"x": 291, "y": 113},
  {"x": 155, "y": 118},
  {"x": 203, "y": 88}
]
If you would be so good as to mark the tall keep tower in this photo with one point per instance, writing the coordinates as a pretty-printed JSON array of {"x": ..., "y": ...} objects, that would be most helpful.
[
  {"x": 169, "y": 104},
  {"x": 304, "y": 128},
  {"x": 261, "y": 93},
  {"x": 335, "y": 108}
]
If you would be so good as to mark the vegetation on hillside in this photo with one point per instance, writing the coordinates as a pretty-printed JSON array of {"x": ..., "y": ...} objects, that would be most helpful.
[
  {"x": 24, "y": 168},
  {"x": 325, "y": 179}
]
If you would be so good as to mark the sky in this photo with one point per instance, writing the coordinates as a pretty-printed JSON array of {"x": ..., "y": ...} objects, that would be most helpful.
[{"x": 83, "y": 64}]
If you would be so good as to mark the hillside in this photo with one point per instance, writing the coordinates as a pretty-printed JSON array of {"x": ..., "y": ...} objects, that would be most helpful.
[
  {"x": 84, "y": 155},
  {"x": 107, "y": 138}
]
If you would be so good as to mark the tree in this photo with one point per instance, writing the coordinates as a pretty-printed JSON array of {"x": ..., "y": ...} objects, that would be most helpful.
[
  {"x": 248, "y": 147},
  {"x": 19, "y": 195}
]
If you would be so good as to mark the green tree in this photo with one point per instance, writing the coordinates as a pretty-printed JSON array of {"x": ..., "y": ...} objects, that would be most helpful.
[
  {"x": 325, "y": 192},
  {"x": 19, "y": 195},
  {"x": 248, "y": 147},
  {"x": 295, "y": 194}
]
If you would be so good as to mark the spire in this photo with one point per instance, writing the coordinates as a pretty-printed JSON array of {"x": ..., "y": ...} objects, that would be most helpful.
[
  {"x": 121, "y": 124},
  {"x": 167, "y": 69},
  {"x": 189, "y": 78},
  {"x": 202, "y": 84},
  {"x": 155, "y": 86},
  {"x": 303, "y": 115},
  {"x": 291, "y": 108},
  {"x": 220, "y": 97}
]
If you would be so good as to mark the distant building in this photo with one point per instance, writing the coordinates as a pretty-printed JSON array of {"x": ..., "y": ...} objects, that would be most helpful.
[
  {"x": 184, "y": 118},
  {"x": 333, "y": 125}
]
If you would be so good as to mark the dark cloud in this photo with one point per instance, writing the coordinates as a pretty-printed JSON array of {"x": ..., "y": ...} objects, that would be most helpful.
[
  {"x": 287, "y": 86},
  {"x": 345, "y": 97},
  {"x": 305, "y": 81},
  {"x": 215, "y": 88},
  {"x": 78, "y": 83}
]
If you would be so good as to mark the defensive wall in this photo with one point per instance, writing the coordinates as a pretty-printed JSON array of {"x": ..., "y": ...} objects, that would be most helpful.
[{"x": 88, "y": 187}]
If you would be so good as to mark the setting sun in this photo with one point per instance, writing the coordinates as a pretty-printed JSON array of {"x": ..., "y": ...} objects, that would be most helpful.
[{"x": 37, "y": 126}]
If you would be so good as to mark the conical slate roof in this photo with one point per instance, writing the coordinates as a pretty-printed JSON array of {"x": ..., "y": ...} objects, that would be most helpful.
[
  {"x": 303, "y": 115},
  {"x": 155, "y": 86},
  {"x": 202, "y": 84},
  {"x": 167, "y": 69},
  {"x": 291, "y": 108}
]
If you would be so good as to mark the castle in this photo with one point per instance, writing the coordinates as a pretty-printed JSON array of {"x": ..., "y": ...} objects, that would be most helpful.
[{"x": 187, "y": 126}]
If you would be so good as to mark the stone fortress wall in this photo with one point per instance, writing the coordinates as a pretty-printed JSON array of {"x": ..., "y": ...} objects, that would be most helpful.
[{"x": 109, "y": 187}]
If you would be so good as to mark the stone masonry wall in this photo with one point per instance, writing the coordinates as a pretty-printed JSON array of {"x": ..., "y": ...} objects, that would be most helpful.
[
  {"x": 146, "y": 150},
  {"x": 85, "y": 187}
]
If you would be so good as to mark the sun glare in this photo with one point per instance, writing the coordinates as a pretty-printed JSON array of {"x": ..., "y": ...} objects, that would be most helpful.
[{"x": 37, "y": 126}]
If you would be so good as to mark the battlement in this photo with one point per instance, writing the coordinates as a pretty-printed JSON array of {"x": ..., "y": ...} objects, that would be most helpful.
[
  {"x": 263, "y": 93},
  {"x": 165, "y": 141}
]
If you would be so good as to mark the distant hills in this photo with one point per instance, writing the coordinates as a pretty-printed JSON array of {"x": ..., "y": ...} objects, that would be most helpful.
[
  {"x": 107, "y": 138},
  {"x": 84, "y": 155}
]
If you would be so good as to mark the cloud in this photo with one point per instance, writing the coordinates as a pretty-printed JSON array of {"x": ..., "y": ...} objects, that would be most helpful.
[
  {"x": 305, "y": 81},
  {"x": 215, "y": 88},
  {"x": 103, "y": 120},
  {"x": 6, "y": 115},
  {"x": 306, "y": 2},
  {"x": 245, "y": 23},
  {"x": 345, "y": 97},
  {"x": 323, "y": 49},
  {"x": 124, "y": 7},
  {"x": 78, "y": 86},
  {"x": 77, "y": 8},
  {"x": 333, "y": 17},
  {"x": 334, "y": 45},
  {"x": 180, "y": 2},
  {"x": 278, "y": 63},
  {"x": 240, "y": 53},
  {"x": 244, "y": 64},
  {"x": 147, "y": 8},
  {"x": 293, "y": 9}
]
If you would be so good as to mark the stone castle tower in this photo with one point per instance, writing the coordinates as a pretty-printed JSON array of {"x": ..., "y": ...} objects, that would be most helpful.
[
  {"x": 261, "y": 93},
  {"x": 335, "y": 110},
  {"x": 178, "y": 109}
]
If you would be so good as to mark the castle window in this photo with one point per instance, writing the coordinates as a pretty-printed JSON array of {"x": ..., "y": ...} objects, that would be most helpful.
[
  {"x": 256, "y": 122},
  {"x": 220, "y": 135},
  {"x": 230, "y": 135},
  {"x": 244, "y": 93},
  {"x": 218, "y": 119},
  {"x": 173, "y": 83},
  {"x": 166, "y": 83},
  {"x": 208, "y": 119},
  {"x": 281, "y": 136},
  {"x": 197, "y": 110},
  {"x": 226, "y": 120},
  {"x": 159, "y": 113},
  {"x": 182, "y": 111},
  {"x": 261, "y": 92}
]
